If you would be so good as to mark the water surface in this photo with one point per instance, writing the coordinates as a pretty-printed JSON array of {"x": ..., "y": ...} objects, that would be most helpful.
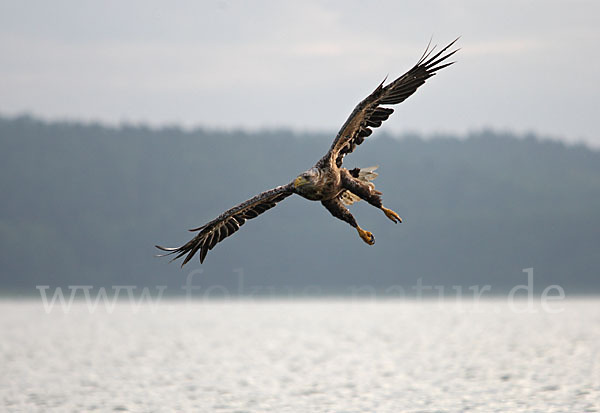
[{"x": 300, "y": 356}]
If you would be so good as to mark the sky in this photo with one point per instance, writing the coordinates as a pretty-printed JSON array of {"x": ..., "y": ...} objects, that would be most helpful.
[{"x": 524, "y": 66}]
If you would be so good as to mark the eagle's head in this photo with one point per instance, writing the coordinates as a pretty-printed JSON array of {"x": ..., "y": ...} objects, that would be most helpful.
[{"x": 306, "y": 182}]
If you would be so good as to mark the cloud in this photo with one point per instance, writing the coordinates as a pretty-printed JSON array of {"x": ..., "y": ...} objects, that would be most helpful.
[{"x": 522, "y": 66}]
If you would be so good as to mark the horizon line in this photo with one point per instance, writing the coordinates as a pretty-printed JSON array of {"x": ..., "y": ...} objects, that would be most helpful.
[{"x": 507, "y": 132}]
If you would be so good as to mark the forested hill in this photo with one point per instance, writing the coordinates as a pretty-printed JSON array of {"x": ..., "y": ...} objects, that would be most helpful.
[{"x": 85, "y": 204}]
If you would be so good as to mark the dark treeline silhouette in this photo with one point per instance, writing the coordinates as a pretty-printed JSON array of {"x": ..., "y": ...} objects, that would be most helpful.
[{"x": 85, "y": 204}]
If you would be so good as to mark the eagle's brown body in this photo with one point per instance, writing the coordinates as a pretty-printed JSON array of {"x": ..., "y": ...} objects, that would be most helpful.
[{"x": 328, "y": 181}]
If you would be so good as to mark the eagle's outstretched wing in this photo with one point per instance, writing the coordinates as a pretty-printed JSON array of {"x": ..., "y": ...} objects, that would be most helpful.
[
  {"x": 227, "y": 223},
  {"x": 369, "y": 113}
]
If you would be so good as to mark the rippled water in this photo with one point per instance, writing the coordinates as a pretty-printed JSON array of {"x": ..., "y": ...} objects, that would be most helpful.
[{"x": 300, "y": 356}]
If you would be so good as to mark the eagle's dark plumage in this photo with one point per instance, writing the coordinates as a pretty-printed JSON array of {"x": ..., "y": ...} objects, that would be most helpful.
[
  {"x": 327, "y": 181},
  {"x": 229, "y": 222}
]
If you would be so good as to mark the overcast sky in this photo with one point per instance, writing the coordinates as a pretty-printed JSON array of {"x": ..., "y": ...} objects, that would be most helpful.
[{"x": 524, "y": 65}]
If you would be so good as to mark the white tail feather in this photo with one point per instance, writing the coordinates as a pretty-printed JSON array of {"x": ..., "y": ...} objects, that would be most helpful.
[{"x": 366, "y": 175}]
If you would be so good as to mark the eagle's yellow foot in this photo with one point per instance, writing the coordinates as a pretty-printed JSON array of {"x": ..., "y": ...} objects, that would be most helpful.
[
  {"x": 366, "y": 236},
  {"x": 391, "y": 215}
]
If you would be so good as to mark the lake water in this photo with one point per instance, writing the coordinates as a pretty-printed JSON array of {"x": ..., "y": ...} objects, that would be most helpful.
[{"x": 301, "y": 356}]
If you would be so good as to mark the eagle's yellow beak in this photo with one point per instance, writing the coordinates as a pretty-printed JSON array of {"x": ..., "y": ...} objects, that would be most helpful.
[{"x": 299, "y": 181}]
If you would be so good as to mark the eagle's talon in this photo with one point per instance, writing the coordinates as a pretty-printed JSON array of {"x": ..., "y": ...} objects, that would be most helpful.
[
  {"x": 392, "y": 215},
  {"x": 366, "y": 236}
]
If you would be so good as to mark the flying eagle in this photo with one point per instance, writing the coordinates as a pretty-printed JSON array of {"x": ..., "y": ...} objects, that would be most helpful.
[{"x": 327, "y": 181}]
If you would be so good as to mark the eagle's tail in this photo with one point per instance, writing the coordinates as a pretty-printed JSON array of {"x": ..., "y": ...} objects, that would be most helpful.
[{"x": 365, "y": 175}]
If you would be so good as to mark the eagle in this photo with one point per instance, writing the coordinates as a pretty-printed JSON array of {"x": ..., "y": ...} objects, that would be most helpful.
[{"x": 327, "y": 181}]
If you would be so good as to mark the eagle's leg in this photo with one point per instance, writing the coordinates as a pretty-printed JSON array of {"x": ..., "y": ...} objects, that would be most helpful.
[
  {"x": 338, "y": 210},
  {"x": 364, "y": 191}
]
